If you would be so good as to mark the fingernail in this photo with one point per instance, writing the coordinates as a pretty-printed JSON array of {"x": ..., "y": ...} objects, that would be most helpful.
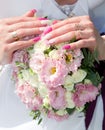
[
  {"x": 46, "y": 37},
  {"x": 42, "y": 18},
  {"x": 52, "y": 41},
  {"x": 54, "y": 22},
  {"x": 47, "y": 30},
  {"x": 66, "y": 47},
  {"x": 33, "y": 10},
  {"x": 42, "y": 28},
  {"x": 36, "y": 39},
  {"x": 45, "y": 22}
]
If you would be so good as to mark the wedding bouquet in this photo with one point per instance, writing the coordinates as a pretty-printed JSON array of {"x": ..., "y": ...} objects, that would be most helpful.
[{"x": 53, "y": 81}]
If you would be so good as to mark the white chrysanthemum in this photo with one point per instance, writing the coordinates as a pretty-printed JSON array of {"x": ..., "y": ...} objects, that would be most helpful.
[
  {"x": 61, "y": 112},
  {"x": 32, "y": 79},
  {"x": 41, "y": 46},
  {"x": 79, "y": 75},
  {"x": 70, "y": 103},
  {"x": 46, "y": 103},
  {"x": 69, "y": 83},
  {"x": 54, "y": 54},
  {"x": 87, "y": 81},
  {"x": 42, "y": 89}
]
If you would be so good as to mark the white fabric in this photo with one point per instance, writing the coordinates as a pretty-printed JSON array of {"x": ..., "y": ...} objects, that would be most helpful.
[{"x": 13, "y": 114}]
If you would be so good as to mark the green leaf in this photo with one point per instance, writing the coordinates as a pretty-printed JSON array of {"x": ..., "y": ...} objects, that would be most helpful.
[
  {"x": 94, "y": 77},
  {"x": 89, "y": 58},
  {"x": 47, "y": 51},
  {"x": 70, "y": 110}
]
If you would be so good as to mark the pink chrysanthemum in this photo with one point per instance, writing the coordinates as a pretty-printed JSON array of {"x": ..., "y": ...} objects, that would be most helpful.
[
  {"x": 36, "y": 61},
  {"x": 27, "y": 95},
  {"x": 20, "y": 56},
  {"x": 53, "y": 72},
  {"x": 57, "y": 98},
  {"x": 84, "y": 93}
]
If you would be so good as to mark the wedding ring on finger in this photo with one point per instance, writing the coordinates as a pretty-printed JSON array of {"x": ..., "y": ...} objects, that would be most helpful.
[
  {"x": 15, "y": 36},
  {"x": 79, "y": 27}
]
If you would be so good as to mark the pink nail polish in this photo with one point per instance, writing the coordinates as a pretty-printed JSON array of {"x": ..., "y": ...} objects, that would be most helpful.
[
  {"x": 33, "y": 10},
  {"x": 54, "y": 22},
  {"x": 47, "y": 30},
  {"x": 42, "y": 18},
  {"x": 67, "y": 47},
  {"x": 36, "y": 39}
]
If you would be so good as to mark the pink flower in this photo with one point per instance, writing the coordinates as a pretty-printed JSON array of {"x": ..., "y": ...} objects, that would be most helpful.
[
  {"x": 53, "y": 72},
  {"x": 53, "y": 115},
  {"x": 75, "y": 63},
  {"x": 36, "y": 61},
  {"x": 20, "y": 56},
  {"x": 27, "y": 96},
  {"x": 57, "y": 97},
  {"x": 84, "y": 93}
]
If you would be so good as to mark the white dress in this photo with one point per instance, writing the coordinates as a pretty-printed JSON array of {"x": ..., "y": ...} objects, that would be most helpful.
[{"x": 13, "y": 113}]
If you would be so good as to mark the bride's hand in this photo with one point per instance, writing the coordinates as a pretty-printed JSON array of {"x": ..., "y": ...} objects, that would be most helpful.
[
  {"x": 80, "y": 28},
  {"x": 13, "y": 30}
]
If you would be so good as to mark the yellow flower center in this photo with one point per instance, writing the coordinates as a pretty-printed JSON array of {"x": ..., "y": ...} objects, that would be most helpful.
[
  {"x": 53, "y": 70},
  {"x": 69, "y": 57}
]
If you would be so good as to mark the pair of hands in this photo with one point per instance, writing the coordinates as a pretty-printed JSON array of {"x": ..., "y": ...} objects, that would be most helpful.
[
  {"x": 83, "y": 30},
  {"x": 80, "y": 27},
  {"x": 18, "y": 27}
]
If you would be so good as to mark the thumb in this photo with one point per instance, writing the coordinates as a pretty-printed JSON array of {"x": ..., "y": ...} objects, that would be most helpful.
[{"x": 30, "y": 13}]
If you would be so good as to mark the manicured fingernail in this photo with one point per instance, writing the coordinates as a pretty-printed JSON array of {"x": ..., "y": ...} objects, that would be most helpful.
[
  {"x": 33, "y": 10},
  {"x": 45, "y": 22},
  {"x": 42, "y": 28},
  {"x": 66, "y": 47},
  {"x": 51, "y": 42},
  {"x": 42, "y": 18},
  {"x": 54, "y": 22},
  {"x": 36, "y": 39},
  {"x": 47, "y": 30}
]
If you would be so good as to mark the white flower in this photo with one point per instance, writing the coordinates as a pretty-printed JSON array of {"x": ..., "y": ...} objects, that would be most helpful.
[
  {"x": 32, "y": 79},
  {"x": 69, "y": 83},
  {"x": 70, "y": 103},
  {"x": 61, "y": 112},
  {"x": 87, "y": 81},
  {"x": 42, "y": 89},
  {"x": 41, "y": 46},
  {"x": 54, "y": 54},
  {"x": 79, "y": 75},
  {"x": 46, "y": 103}
]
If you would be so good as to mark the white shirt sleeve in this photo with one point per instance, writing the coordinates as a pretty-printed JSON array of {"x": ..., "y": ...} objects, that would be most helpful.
[{"x": 94, "y": 3}]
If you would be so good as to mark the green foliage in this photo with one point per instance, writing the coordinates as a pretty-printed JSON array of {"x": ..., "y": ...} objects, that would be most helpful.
[
  {"x": 70, "y": 110},
  {"x": 47, "y": 51},
  {"x": 94, "y": 77},
  {"x": 89, "y": 58},
  {"x": 36, "y": 115}
]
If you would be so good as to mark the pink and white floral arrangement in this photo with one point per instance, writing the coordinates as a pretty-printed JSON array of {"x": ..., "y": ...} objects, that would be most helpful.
[{"x": 55, "y": 81}]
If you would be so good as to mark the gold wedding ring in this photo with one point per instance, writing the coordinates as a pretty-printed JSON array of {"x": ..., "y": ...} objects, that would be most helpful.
[{"x": 15, "y": 36}]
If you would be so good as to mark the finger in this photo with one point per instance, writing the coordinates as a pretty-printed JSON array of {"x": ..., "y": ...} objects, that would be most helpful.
[
  {"x": 83, "y": 43},
  {"x": 30, "y": 13},
  {"x": 20, "y": 45},
  {"x": 14, "y": 20},
  {"x": 20, "y": 34},
  {"x": 60, "y": 31},
  {"x": 63, "y": 38},
  {"x": 70, "y": 21},
  {"x": 29, "y": 24}
]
